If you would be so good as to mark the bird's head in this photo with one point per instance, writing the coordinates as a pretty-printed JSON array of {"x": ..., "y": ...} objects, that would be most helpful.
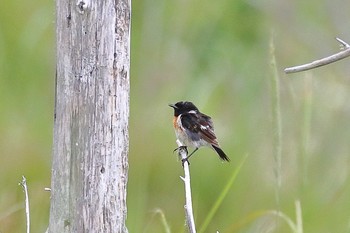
[{"x": 183, "y": 107}]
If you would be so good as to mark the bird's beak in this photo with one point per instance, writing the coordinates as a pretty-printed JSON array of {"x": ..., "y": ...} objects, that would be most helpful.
[{"x": 172, "y": 105}]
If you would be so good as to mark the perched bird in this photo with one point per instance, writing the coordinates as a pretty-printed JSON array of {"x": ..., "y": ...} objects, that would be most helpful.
[{"x": 195, "y": 129}]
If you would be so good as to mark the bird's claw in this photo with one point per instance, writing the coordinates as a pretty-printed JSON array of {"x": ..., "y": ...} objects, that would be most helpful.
[
  {"x": 185, "y": 160},
  {"x": 180, "y": 148}
]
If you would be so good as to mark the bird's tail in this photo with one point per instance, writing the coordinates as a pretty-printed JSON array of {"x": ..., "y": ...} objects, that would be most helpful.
[{"x": 222, "y": 154}]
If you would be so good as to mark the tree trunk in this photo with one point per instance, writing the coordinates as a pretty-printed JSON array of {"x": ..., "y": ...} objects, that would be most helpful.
[{"x": 91, "y": 141}]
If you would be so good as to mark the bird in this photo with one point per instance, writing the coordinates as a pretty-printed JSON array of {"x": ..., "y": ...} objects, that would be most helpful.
[{"x": 195, "y": 129}]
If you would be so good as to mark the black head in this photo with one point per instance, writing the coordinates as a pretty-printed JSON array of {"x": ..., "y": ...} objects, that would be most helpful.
[{"x": 182, "y": 107}]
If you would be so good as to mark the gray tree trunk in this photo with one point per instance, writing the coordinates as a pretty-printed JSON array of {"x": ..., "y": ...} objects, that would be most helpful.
[{"x": 91, "y": 141}]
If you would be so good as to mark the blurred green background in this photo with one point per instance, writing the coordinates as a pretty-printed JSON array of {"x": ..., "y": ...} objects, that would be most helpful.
[{"x": 216, "y": 54}]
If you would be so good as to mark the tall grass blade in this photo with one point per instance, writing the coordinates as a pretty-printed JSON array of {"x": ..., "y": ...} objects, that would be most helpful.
[
  {"x": 306, "y": 126},
  {"x": 276, "y": 120},
  {"x": 295, "y": 227},
  {"x": 222, "y": 196},
  {"x": 163, "y": 219},
  {"x": 299, "y": 217}
]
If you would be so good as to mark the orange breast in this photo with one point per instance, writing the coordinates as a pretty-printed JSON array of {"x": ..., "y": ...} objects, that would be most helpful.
[{"x": 175, "y": 123}]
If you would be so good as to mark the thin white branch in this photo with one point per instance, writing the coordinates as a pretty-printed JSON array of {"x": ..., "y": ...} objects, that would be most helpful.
[
  {"x": 343, "y": 43},
  {"x": 25, "y": 189},
  {"x": 324, "y": 61},
  {"x": 188, "y": 207}
]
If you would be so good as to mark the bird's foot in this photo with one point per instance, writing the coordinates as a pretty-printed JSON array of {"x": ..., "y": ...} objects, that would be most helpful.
[
  {"x": 181, "y": 148},
  {"x": 185, "y": 160}
]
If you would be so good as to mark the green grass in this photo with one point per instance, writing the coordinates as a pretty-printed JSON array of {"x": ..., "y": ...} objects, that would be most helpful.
[
  {"x": 294, "y": 226},
  {"x": 221, "y": 197}
]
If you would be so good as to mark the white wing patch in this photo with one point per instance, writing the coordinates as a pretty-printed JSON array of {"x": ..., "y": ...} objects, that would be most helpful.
[{"x": 204, "y": 127}]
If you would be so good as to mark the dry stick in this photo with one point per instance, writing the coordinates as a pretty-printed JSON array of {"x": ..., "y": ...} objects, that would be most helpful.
[
  {"x": 324, "y": 61},
  {"x": 25, "y": 189},
  {"x": 188, "y": 207}
]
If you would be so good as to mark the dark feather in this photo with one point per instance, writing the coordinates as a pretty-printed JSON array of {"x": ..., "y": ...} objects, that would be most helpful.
[
  {"x": 196, "y": 128},
  {"x": 222, "y": 154},
  {"x": 199, "y": 126}
]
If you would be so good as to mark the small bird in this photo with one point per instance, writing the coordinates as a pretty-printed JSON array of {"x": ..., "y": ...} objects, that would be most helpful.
[{"x": 195, "y": 129}]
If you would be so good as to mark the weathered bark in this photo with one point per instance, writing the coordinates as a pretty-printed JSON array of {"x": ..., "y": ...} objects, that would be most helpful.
[{"x": 89, "y": 169}]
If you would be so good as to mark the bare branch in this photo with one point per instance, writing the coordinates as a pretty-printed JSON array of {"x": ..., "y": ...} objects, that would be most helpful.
[
  {"x": 343, "y": 43},
  {"x": 188, "y": 207},
  {"x": 25, "y": 189},
  {"x": 324, "y": 61}
]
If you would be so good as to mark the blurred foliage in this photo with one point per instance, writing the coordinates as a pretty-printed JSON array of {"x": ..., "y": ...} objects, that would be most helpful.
[{"x": 214, "y": 53}]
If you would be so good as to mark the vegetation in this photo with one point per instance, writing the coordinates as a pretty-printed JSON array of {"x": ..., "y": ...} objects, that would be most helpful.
[{"x": 216, "y": 54}]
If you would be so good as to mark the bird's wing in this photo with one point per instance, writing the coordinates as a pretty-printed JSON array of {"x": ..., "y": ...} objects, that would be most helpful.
[{"x": 199, "y": 126}]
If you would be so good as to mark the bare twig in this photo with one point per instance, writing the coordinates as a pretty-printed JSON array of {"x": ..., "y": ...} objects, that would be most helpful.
[
  {"x": 188, "y": 207},
  {"x": 25, "y": 189},
  {"x": 324, "y": 61},
  {"x": 343, "y": 43}
]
